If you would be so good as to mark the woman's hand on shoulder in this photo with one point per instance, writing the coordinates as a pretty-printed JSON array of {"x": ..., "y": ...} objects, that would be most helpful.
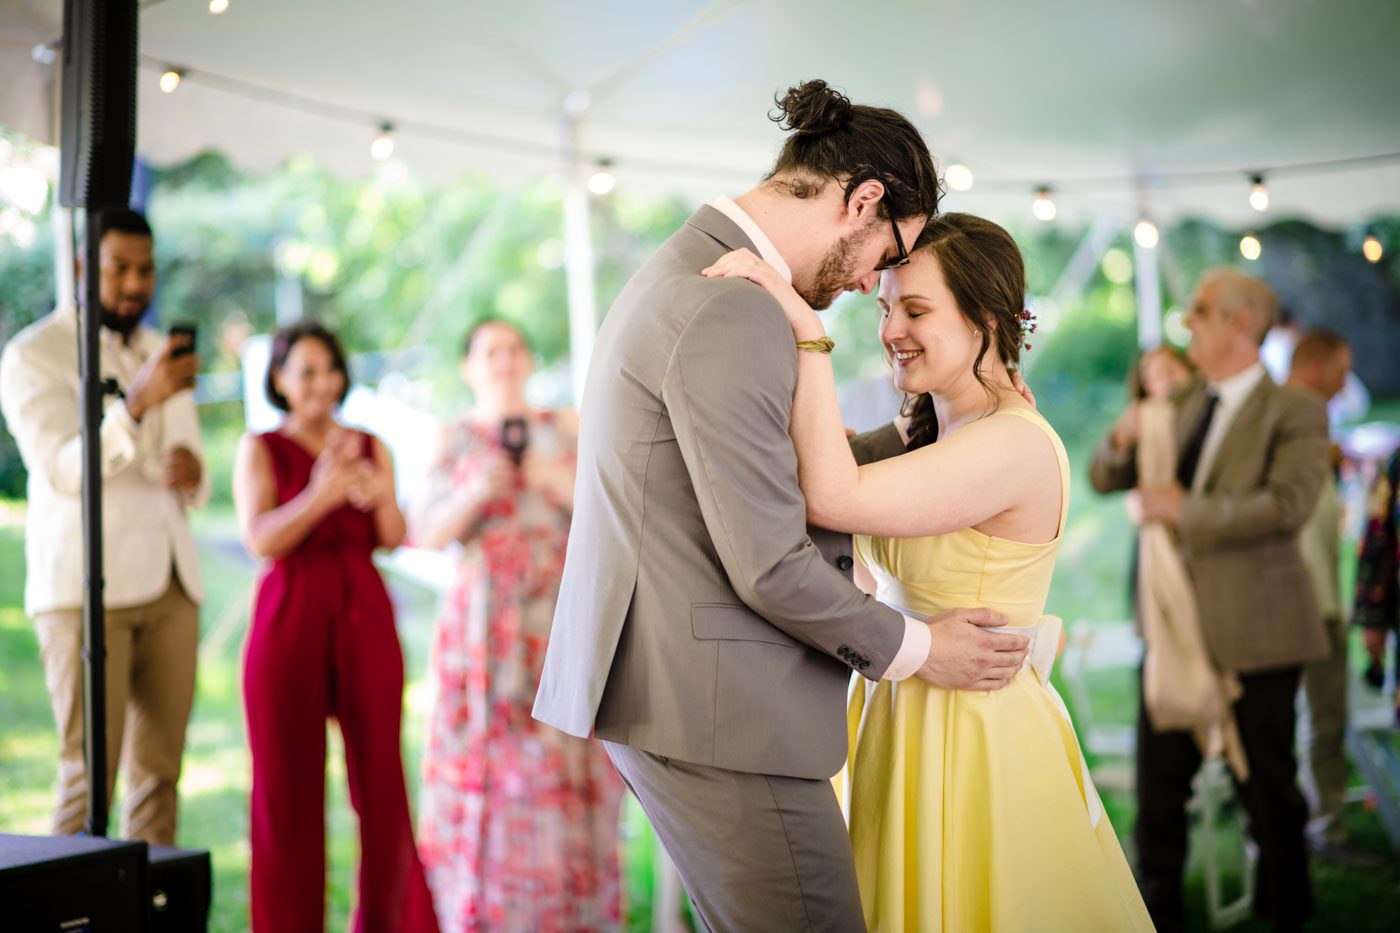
[{"x": 742, "y": 263}]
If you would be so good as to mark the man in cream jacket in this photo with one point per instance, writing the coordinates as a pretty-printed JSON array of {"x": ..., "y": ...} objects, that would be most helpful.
[{"x": 152, "y": 473}]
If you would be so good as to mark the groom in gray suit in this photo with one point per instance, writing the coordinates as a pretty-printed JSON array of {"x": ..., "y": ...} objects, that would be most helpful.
[{"x": 703, "y": 631}]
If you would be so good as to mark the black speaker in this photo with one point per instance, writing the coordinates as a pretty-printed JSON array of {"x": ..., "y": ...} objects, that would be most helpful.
[
  {"x": 72, "y": 884},
  {"x": 181, "y": 881},
  {"x": 99, "y": 103}
]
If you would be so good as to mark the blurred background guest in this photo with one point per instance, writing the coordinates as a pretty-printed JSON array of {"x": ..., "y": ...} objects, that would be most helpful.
[
  {"x": 1157, "y": 375},
  {"x": 1160, "y": 373},
  {"x": 1321, "y": 362},
  {"x": 315, "y": 500},
  {"x": 518, "y": 823},
  {"x": 1251, "y": 458},
  {"x": 1378, "y": 574},
  {"x": 152, "y": 474},
  {"x": 1349, "y": 404}
]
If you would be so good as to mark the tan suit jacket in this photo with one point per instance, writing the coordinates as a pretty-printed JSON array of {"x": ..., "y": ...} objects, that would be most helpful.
[
  {"x": 699, "y": 618},
  {"x": 1239, "y": 534}
]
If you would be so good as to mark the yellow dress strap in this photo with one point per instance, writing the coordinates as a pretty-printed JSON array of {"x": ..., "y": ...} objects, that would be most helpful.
[{"x": 1037, "y": 419}]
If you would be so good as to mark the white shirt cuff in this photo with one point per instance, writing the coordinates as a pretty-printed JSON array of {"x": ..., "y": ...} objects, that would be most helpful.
[
  {"x": 912, "y": 653},
  {"x": 119, "y": 432}
]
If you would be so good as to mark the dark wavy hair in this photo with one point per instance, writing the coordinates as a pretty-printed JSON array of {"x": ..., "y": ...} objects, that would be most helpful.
[
  {"x": 832, "y": 138},
  {"x": 983, "y": 268},
  {"x": 282, "y": 343}
]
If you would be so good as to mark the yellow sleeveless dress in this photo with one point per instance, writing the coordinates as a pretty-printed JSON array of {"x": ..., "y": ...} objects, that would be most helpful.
[{"x": 974, "y": 811}]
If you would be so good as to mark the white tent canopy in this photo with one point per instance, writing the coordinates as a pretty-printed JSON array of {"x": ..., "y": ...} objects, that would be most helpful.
[{"x": 1109, "y": 102}]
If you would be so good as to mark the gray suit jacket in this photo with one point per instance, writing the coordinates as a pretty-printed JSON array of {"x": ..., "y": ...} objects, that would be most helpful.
[
  {"x": 1240, "y": 534},
  {"x": 697, "y": 618}
]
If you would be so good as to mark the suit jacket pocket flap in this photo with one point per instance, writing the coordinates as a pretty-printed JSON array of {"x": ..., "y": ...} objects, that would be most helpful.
[{"x": 738, "y": 623}]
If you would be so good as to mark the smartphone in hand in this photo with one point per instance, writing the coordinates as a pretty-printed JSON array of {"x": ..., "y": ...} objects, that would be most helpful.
[
  {"x": 186, "y": 333},
  {"x": 515, "y": 434}
]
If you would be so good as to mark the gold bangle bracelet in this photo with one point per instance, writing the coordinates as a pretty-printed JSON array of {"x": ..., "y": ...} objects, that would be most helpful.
[{"x": 824, "y": 345}]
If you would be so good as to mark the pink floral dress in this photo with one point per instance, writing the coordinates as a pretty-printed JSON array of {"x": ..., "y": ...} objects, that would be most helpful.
[{"x": 518, "y": 822}]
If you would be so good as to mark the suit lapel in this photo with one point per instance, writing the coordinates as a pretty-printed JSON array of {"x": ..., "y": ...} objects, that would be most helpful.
[
  {"x": 1187, "y": 414},
  {"x": 1241, "y": 431}
]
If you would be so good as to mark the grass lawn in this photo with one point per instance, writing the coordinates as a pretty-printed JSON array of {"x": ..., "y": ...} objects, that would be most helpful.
[{"x": 214, "y": 789}]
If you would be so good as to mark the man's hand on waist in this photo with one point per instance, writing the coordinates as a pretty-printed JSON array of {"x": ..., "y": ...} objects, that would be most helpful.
[{"x": 963, "y": 656}]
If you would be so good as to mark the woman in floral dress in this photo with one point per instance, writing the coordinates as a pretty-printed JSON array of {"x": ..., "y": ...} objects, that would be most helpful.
[{"x": 518, "y": 822}]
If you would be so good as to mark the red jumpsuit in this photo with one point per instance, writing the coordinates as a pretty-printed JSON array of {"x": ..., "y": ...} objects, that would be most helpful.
[{"x": 322, "y": 644}]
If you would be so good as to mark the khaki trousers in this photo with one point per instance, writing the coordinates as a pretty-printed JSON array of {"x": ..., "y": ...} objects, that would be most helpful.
[
  {"x": 1322, "y": 738},
  {"x": 150, "y": 690}
]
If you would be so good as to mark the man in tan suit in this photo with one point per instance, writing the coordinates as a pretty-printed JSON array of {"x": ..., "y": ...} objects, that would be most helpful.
[
  {"x": 702, "y": 631},
  {"x": 1252, "y": 460},
  {"x": 152, "y": 475}
]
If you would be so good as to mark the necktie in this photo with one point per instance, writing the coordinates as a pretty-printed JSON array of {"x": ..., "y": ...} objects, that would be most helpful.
[{"x": 1191, "y": 453}]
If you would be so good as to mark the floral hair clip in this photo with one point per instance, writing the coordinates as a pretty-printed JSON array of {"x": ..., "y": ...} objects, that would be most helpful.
[{"x": 1028, "y": 325}]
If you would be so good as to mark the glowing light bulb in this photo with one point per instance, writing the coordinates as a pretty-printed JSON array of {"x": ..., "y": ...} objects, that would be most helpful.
[
  {"x": 1146, "y": 234},
  {"x": 1371, "y": 248},
  {"x": 217, "y": 6},
  {"x": 170, "y": 80},
  {"x": 1250, "y": 247},
  {"x": 1042, "y": 207},
  {"x": 1258, "y": 194},
  {"x": 959, "y": 177},
  {"x": 383, "y": 145},
  {"x": 603, "y": 180}
]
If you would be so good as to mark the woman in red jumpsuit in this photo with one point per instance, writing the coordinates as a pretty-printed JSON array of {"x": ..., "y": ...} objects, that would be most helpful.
[{"x": 314, "y": 500}]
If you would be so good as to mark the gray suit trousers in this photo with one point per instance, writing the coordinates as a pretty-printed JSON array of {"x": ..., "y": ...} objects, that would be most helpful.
[{"x": 756, "y": 852}]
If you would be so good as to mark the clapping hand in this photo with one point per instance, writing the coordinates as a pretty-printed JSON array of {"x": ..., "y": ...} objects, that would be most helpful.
[
  {"x": 742, "y": 263},
  {"x": 336, "y": 469},
  {"x": 370, "y": 487}
]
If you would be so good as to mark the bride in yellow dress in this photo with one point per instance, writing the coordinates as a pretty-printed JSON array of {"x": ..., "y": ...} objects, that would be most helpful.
[{"x": 968, "y": 811}]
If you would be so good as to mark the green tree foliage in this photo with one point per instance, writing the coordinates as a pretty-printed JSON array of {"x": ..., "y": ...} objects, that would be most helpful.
[{"x": 395, "y": 266}]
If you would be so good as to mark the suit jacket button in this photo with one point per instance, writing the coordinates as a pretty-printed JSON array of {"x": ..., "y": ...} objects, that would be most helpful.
[
  {"x": 864, "y": 664},
  {"x": 844, "y": 563},
  {"x": 843, "y": 652}
]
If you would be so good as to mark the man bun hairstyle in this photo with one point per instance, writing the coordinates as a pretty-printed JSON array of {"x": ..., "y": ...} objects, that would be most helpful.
[
  {"x": 813, "y": 108},
  {"x": 831, "y": 138}
]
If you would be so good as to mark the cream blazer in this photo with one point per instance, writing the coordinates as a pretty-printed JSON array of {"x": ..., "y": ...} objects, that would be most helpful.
[{"x": 145, "y": 531}]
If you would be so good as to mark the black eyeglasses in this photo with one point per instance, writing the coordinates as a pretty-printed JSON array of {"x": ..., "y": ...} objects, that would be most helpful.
[{"x": 903, "y": 256}]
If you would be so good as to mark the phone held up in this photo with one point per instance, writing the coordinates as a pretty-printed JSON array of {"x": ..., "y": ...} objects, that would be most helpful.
[
  {"x": 185, "y": 333},
  {"x": 515, "y": 434}
]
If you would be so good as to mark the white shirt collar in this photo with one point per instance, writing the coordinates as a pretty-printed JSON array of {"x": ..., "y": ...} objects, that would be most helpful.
[
  {"x": 1233, "y": 391},
  {"x": 766, "y": 249}
]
